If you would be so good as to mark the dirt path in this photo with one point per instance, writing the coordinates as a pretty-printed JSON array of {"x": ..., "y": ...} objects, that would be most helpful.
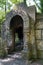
[{"x": 16, "y": 59}]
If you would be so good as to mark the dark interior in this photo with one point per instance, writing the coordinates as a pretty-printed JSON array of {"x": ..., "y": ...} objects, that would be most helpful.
[{"x": 16, "y": 26}]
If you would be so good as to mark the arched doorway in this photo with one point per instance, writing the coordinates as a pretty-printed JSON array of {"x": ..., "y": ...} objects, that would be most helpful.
[
  {"x": 16, "y": 27},
  {"x": 7, "y": 28}
]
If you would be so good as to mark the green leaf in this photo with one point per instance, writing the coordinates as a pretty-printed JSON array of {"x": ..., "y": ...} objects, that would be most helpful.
[{"x": 13, "y": 1}]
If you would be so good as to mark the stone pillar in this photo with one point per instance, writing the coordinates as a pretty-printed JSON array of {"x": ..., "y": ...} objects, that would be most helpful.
[
  {"x": 26, "y": 38},
  {"x": 32, "y": 39}
]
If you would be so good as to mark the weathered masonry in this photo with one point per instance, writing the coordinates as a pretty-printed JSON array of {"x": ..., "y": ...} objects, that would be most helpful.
[{"x": 29, "y": 26}]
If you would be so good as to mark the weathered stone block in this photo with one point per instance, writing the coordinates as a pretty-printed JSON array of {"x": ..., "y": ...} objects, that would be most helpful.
[
  {"x": 38, "y": 34},
  {"x": 39, "y": 25}
]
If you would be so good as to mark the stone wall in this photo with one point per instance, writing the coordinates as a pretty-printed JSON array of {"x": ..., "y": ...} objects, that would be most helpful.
[{"x": 39, "y": 35}]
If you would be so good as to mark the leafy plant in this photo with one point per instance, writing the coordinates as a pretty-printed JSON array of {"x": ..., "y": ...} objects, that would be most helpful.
[{"x": 39, "y": 4}]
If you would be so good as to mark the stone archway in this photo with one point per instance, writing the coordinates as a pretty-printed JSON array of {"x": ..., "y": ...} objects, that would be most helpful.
[{"x": 6, "y": 32}]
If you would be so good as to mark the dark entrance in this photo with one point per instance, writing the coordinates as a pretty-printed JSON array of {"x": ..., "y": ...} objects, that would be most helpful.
[{"x": 16, "y": 26}]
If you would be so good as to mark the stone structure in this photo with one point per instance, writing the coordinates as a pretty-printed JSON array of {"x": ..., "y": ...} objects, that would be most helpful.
[
  {"x": 31, "y": 30},
  {"x": 39, "y": 34}
]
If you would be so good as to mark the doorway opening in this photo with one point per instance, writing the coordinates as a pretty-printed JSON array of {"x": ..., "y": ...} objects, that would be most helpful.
[{"x": 16, "y": 27}]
